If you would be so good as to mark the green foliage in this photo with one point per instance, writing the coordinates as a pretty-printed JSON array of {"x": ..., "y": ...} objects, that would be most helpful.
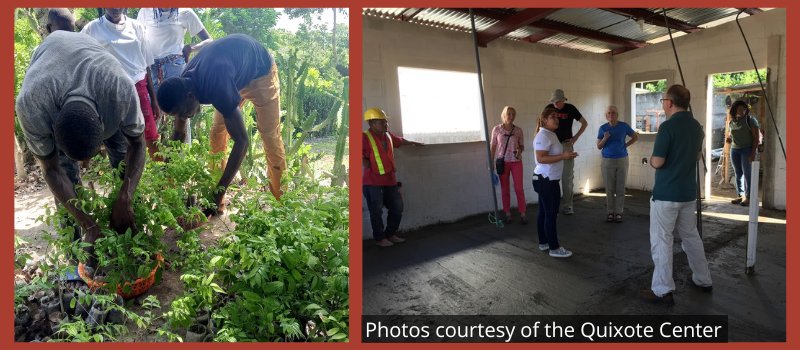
[
  {"x": 214, "y": 26},
  {"x": 739, "y": 78},
  {"x": 282, "y": 274},
  {"x": 656, "y": 86},
  {"x": 160, "y": 199},
  {"x": 78, "y": 330},
  {"x": 255, "y": 22},
  {"x": 281, "y": 258}
]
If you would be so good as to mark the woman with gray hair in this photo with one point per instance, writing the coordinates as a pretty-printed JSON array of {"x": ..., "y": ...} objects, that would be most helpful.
[{"x": 611, "y": 141}]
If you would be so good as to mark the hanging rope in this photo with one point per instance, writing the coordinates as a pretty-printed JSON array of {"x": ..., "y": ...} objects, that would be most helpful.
[
  {"x": 699, "y": 206},
  {"x": 763, "y": 90},
  {"x": 493, "y": 217}
]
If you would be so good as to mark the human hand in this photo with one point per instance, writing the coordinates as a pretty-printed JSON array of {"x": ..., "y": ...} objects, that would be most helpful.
[
  {"x": 220, "y": 207},
  {"x": 752, "y": 157},
  {"x": 187, "y": 50},
  {"x": 91, "y": 232},
  {"x": 606, "y": 135},
  {"x": 122, "y": 217},
  {"x": 569, "y": 155},
  {"x": 570, "y": 141}
]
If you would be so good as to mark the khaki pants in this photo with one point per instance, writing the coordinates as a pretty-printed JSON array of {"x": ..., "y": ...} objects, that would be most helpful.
[
  {"x": 615, "y": 174},
  {"x": 567, "y": 176},
  {"x": 264, "y": 93}
]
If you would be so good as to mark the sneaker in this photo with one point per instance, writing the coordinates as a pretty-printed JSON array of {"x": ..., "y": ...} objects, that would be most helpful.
[
  {"x": 560, "y": 253},
  {"x": 568, "y": 211},
  {"x": 384, "y": 243},
  {"x": 650, "y": 297},
  {"x": 544, "y": 247},
  {"x": 396, "y": 239},
  {"x": 737, "y": 200},
  {"x": 745, "y": 202},
  {"x": 523, "y": 220},
  {"x": 507, "y": 218},
  {"x": 705, "y": 289}
]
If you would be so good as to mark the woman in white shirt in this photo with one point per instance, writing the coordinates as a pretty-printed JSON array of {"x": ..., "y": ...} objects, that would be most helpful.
[
  {"x": 166, "y": 28},
  {"x": 549, "y": 157},
  {"x": 124, "y": 38}
]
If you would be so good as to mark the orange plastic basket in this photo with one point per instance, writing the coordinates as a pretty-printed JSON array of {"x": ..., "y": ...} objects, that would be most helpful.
[{"x": 138, "y": 287}]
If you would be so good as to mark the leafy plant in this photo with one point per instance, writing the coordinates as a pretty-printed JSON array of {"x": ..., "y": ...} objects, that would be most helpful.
[
  {"x": 739, "y": 78},
  {"x": 282, "y": 270}
]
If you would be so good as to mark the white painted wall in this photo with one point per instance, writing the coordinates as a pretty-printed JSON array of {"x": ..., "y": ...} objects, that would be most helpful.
[
  {"x": 711, "y": 51},
  {"x": 444, "y": 183}
]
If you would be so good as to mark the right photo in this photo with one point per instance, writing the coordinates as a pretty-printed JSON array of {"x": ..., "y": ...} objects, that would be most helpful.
[{"x": 574, "y": 162}]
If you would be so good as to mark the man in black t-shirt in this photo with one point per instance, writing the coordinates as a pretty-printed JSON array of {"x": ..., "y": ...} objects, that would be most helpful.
[
  {"x": 225, "y": 73},
  {"x": 566, "y": 114}
]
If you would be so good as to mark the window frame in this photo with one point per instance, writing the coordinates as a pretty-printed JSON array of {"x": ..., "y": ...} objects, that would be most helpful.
[{"x": 630, "y": 107}]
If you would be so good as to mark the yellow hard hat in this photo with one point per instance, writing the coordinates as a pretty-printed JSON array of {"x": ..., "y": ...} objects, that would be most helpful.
[{"x": 374, "y": 114}]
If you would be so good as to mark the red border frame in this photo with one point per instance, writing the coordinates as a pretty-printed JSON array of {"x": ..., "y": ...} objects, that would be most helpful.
[{"x": 6, "y": 157}]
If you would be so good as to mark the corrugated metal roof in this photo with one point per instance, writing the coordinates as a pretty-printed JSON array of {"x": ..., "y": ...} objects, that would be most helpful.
[
  {"x": 631, "y": 29},
  {"x": 697, "y": 16},
  {"x": 595, "y": 19}
]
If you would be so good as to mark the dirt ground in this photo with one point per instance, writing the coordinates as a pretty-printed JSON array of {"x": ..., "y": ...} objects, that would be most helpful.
[{"x": 723, "y": 189}]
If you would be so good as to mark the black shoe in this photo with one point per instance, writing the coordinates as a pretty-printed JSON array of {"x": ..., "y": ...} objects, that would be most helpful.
[
  {"x": 650, "y": 297},
  {"x": 705, "y": 289}
]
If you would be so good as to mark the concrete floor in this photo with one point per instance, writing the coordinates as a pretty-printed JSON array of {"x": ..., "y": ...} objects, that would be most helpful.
[{"x": 471, "y": 267}]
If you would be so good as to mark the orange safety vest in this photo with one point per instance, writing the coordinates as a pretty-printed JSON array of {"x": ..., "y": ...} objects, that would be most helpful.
[{"x": 377, "y": 153}]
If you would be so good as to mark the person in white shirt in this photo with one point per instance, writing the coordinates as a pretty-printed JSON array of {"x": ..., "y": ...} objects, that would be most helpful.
[
  {"x": 166, "y": 28},
  {"x": 550, "y": 156},
  {"x": 124, "y": 38}
]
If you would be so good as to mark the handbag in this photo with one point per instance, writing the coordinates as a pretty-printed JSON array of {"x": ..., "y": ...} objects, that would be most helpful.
[{"x": 500, "y": 163}]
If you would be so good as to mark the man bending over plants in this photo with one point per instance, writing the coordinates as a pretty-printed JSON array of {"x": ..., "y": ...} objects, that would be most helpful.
[
  {"x": 75, "y": 96},
  {"x": 224, "y": 74}
]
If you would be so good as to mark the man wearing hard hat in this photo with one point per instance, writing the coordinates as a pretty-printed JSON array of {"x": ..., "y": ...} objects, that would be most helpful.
[{"x": 380, "y": 181}]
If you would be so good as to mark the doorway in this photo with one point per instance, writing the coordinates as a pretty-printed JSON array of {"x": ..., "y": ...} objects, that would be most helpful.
[{"x": 725, "y": 89}]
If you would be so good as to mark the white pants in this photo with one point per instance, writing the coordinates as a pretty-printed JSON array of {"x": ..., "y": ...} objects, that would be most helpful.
[{"x": 666, "y": 217}]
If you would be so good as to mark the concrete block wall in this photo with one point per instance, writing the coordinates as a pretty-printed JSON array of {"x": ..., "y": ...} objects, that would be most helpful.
[
  {"x": 711, "y": 51},
  {"x": 444, "y": 183}
]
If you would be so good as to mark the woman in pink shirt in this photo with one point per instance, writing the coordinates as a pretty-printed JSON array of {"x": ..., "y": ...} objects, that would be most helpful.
[{"x": 508, "y": 143}]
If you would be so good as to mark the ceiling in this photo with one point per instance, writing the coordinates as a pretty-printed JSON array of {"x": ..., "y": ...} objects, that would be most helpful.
[{"x": 598, "y": 30}]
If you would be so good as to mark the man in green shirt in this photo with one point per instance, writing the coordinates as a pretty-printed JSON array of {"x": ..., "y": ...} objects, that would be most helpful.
[{"x": 677, "y": 149}]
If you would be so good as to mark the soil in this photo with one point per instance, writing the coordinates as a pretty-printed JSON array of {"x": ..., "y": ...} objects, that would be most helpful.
[{"x": 724, "y": 189}]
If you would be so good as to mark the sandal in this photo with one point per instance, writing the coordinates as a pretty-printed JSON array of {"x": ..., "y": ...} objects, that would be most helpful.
[
  {"x": 618, "y": 218},
  {"x": 610, "y": 217}
]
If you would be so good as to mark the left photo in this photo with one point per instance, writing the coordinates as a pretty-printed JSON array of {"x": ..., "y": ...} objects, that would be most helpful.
[{"x": 181, "y": 174}]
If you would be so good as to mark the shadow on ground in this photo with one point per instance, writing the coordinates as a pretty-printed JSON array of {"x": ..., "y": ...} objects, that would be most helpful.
[{"x": 471, "y": 267}]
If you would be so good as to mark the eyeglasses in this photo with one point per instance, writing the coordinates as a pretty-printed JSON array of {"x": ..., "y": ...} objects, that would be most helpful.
[{"x": 666, "y": 99}]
